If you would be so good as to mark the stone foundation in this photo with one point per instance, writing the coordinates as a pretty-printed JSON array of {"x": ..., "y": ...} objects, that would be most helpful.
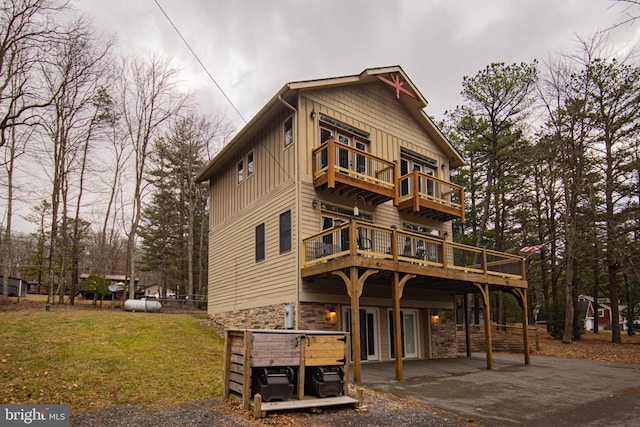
[
  {"x": 311, "y": 316},
  {"x": 443, "y": 335},
  {"x": 318, "y": 317},
  {"x": 267, "y": 317}
]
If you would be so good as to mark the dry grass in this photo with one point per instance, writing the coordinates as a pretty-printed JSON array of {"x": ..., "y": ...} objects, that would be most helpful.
[
  {"x": 593, "y": 347},
  {"x": 90, "y": 358}
]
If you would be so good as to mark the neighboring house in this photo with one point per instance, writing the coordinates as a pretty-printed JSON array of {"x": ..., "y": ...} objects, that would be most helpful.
[
  {"x": 603, "y": 311},
  {"x": 155, "y": 291},
  {"x": 120, "y": 281},
  {"x": 335, "y": 199},
  {"x": 17, "y": 287}
]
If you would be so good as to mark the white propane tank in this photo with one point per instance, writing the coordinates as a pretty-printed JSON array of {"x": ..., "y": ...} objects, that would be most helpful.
[{"x": 146, "y": 305}]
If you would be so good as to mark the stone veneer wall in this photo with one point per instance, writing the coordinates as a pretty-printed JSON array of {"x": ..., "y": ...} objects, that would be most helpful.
[
  {"x": 267, "y": 317},
  {"x": 443, "y": 335},
  {"x": 312, "y": 316},
  {"x": 317, "y": 317}
]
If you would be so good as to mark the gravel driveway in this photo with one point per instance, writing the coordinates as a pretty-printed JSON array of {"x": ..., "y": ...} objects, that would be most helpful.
[{"x": 381, "y": 409}]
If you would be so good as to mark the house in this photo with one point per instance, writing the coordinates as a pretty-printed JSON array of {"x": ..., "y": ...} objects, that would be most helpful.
[
  {"x": 331, "y": 210},
  {"x": 17, "y": 287},
  {"x": 588, "y": 310},
  {"x": 155, "y": 291},
  {"x": 120, "y": 282}
]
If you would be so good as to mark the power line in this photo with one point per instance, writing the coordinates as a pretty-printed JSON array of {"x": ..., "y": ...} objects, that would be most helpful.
[
  {"x": 216, "y": 83},
  {"x": 199, "y": 61}
]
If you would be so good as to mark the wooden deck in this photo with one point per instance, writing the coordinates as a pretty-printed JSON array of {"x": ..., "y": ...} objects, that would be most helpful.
[
  {"x": 351, "y": 172},
  {"x": 448, "y": 264}
]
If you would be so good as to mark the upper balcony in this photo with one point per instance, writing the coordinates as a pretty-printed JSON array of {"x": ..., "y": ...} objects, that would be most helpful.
[
  {"x": 353, "y": 172},
  {"x": 429, "y": 196},
  {"x": 387, "y": 248}
]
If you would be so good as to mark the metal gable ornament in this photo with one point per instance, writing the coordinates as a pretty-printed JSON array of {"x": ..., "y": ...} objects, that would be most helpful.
[{"x": 396, "y": 82}]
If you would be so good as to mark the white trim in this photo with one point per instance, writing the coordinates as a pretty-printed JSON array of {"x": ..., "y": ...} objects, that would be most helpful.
[{"x": 376, "y": 325}]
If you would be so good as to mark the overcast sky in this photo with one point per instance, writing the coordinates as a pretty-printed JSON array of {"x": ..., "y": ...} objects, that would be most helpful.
[{"x": 253, "y": 47}]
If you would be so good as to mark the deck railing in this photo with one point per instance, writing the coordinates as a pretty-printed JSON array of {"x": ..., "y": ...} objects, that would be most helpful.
[
  {"x": 389, "y": 243},
  {"x": 419, "y": 186},
  {"x": 334, "y": 157}
]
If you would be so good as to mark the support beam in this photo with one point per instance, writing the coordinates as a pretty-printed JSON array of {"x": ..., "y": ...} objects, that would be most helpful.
[
  {"x": 484, "y": 291},
  {"x": 354, "y": 294},
  {"x": 467, "y": 324},
  {"x": 397, "y": 289},
  {"x": 354, "y": 286},
  {"x": 521, "y": 295}
]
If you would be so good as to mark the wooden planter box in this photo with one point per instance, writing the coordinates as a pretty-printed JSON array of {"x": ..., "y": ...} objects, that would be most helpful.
[{"x": 245, "y": 349}]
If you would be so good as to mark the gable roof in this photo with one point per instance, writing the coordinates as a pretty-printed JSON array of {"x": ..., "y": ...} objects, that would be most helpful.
[{"x": 406, "y": 92}]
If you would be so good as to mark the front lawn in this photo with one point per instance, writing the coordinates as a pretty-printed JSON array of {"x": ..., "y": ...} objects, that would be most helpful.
[{"x": 96, "y": 358}]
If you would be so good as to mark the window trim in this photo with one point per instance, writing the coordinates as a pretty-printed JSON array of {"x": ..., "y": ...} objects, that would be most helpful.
[
  {"x": 287, "y": 234},
  {"x": 284, "y": 132},
  {"x": 260, "y": 243},
  {"x": 240, "y": 171},
  {"x": 251, "y": 164}
]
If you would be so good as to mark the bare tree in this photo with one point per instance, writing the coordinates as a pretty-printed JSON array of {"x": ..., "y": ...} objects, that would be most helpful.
[
  {"x": 27, "y": 29},
  {"x": 117, "y": 154},
  {"x": 148, "y": 99},
  {"x": 73, "y": 77}
]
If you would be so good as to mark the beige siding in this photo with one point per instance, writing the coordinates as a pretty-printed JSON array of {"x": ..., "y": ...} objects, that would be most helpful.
[
  {"x": 371, "y": 108},
  {"x": 236, "y": 280},
  {"x": 274, "y": 165}
]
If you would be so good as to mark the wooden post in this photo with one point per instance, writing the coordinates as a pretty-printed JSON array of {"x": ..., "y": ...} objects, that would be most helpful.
[
  {"x": 445, "y": 261},
  {"x": 394, "y": 243},
  {"x": 353, "y": 237},
  {"x": 347, "y": 344},
  {"x": 359, "y": 397},
  {"x": 487, "y": 327},
  {"x": 396, "y": 183},
  {"x": 257, "y": 406},
  {"x": 397, "y": 330},
  {"x": 398, "y": 288},
  {"x": 331, "y": 164},
  {"x": 246, "y": 369},
  {"x": 354, "y": 286},
  {"x": 302, "y": 342},
  {"x": 416, "y": 190},
  {"x": 467, "y": 324},
  {"x": 227, "y": 364},
  {"x": 525, "y": 326},
  {"x": 355, "y": 324}
]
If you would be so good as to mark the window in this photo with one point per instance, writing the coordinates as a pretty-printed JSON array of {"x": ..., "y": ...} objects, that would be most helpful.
[
  {"x": 250, "y": 164},
  {"x": 285, "y": 231},
  {"x": 240, "y": 171},
  {"x": 288, "y": 132},
  {"x": 346, "y": 160},
  {"x": 411, "y": 161},
  {"x": 260, "y": 242}
]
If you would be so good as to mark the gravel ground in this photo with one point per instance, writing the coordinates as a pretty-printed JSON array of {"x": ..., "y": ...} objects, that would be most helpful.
[{"x": 380, "y": 410}]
